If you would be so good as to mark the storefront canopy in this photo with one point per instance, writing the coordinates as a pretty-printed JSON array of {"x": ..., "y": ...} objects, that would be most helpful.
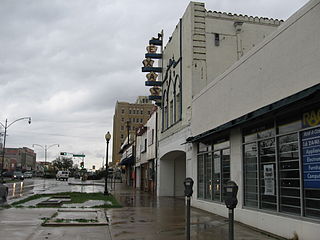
[
  {"x": 127, "y": 161},
  {"x": 258, "y": 113}
]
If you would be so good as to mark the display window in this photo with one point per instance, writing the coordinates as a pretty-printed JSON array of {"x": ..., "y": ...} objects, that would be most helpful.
[
  {"x": 281, "y": 163},
  {"x": 213, "y": 169}
]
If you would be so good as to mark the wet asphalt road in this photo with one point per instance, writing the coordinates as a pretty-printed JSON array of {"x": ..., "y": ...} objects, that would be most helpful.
[{"x": 32, "y": 186}]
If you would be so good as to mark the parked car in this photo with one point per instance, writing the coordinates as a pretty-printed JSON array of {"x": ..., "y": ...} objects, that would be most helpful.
[
  {"x": 77, "y": 175},
  {"x": 7, "y": 174},
  {"x": 62, "y": 175},
  {"x": 18, "y": 175},
  {"x": 28, "y": 175},
  {"x": 3, "y": 193},
  {"x": 93, "y": 176}
]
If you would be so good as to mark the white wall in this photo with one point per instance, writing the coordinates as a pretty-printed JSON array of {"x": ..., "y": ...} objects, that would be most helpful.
[
  {"x": 151, "y": 125},
  {"x": 285, "y": 63},
  {"x": 138, "y": 177},
  {"x": 179, "y": 176},
  {"x": 165, "y": 178}
]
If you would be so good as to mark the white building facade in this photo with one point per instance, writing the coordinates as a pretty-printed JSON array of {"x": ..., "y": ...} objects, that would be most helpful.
[
  {"x": 258, "y": 124},
  {"x": 203, "y": 45},
  {"x": 145, "y": 164}
]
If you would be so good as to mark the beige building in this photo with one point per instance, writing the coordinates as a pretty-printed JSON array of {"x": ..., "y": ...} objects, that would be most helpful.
[{"x": 136, "y": 114}]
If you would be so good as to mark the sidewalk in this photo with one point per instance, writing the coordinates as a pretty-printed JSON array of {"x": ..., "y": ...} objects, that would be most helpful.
[{"x": 145, "y": 217}]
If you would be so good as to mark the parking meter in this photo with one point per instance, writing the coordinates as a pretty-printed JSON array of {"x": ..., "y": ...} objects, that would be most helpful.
[
  {"x": 230, "y": 194},
  {"x": 188, "y": 184}
]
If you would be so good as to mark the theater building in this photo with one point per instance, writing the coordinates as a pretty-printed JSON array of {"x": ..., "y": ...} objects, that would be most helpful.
[
  {"x": 203, "y": 45},
  {"x": 258, "y": 124}
]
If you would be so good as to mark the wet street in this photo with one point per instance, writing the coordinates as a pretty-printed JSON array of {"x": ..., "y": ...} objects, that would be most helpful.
[
  {"x": 142, "y": 217},
  {"x": 32, "y": 186},
  {"x": 146, "y": 217}
]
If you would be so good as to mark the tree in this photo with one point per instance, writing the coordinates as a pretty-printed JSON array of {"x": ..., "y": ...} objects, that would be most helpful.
[{"x": 62, "y": 163}]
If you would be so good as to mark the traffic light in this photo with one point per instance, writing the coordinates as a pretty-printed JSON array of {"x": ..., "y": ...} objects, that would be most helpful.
[
  {"x": 63, "y": 153},
  {"x": 82, "y": 165}
]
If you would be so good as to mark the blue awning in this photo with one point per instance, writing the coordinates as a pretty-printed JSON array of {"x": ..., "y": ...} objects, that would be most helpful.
[{"x": 127, "y": 161}]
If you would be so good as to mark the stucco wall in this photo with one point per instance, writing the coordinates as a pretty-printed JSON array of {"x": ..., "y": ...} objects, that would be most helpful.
[{"x": 285, "y": 63}]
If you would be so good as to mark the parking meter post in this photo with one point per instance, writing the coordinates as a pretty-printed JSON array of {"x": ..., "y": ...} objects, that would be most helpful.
[
  {"x": 231, "y": 224},
  {"x": 188, "y": 218},
  {"x": 231, "y": 201},
  {"x": 188, "y": 184}
]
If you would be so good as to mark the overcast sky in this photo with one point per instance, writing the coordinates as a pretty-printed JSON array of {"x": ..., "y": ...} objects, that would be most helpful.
[{"x": 65, "y": 63}]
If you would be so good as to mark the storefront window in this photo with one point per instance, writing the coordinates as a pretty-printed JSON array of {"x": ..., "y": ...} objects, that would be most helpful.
[
  {"x": 251, "y": 175},
  {"x": 282, "y": 165},
  {"x": 268, "y": 174},
  {"x": 213, "y": 169},
  {"x": 208, "y": 175},
  {"x": 289, "y": 174},
  {"x": 200, "y": 176},
  {"x": 216, "y": 175}
]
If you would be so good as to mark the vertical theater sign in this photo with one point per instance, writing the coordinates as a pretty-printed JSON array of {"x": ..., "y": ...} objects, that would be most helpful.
[{"x": 154, "y": 51}]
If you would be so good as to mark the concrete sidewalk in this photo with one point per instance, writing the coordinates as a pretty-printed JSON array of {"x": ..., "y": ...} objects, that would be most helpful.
[{"x": 145, "y": 217}]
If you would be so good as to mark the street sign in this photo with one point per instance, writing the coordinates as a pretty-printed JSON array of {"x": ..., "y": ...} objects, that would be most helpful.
[{"x": 79, "y": 155}]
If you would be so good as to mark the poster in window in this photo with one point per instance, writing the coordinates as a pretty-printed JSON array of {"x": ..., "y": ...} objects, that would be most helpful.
[
  {"x": 310, "y": 141},
  {"x": 268, "y": 175}
]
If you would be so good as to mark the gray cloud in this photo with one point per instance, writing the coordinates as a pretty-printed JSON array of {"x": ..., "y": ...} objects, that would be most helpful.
[{"x": 66, "y": 63}]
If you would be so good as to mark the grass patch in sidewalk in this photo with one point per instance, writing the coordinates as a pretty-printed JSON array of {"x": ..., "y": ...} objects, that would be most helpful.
[{"x": 76, "y": 197}]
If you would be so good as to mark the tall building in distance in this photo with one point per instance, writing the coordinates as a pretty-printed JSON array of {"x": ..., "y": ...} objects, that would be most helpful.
[{"x": 128, "y": 117}]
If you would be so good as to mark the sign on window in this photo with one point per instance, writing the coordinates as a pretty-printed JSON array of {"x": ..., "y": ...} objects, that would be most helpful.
[
  {"x": 268, "y": 179},
  {"x": 310, "y": 141}
]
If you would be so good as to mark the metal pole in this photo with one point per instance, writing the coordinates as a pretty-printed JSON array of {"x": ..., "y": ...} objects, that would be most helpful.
[
  {"x": 45, "y": 160},
  {"x": 231, "y": 223},
  {"x": 188, "y": 219},
  {"x": 106, "y": 179},
  {"x": 4, "y": 148}
]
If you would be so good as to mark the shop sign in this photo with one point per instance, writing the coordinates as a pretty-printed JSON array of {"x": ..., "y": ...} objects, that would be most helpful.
[
  {"x": 310, "y": 141},
  {"x": 268, "y": 179},
  {"x": 311, "y": 118}
]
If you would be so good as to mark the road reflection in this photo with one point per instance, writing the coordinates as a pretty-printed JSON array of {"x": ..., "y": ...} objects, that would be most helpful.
[
  {"x": 16, "y": 190},
  {"x": 38, "y": 186}
]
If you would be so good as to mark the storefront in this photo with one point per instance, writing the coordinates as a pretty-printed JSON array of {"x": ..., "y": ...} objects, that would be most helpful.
[{"x": 273, "y": 154}]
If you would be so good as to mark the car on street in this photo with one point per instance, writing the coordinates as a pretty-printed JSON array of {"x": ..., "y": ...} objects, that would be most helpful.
[
  {"x": 62, "y": 175},
  {"x": 18, "y": 175},
  {"x": 3, "y": 193},
  {"x": 7, "y": 174},
  {"x": 27, "y": 174}
]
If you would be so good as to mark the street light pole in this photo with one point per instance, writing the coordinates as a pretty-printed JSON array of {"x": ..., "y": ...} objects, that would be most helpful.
[
  {"x": 45, "y": 148},
  {"x": 107, "y": 137},
  {"x": 6, "y": 126}
]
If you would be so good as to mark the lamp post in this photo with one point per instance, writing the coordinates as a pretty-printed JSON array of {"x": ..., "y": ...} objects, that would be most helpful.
[
  {"x": 107, "y": 137},
  {"x": 45, "y": 148},
  {"x": 6, "y": 126}
]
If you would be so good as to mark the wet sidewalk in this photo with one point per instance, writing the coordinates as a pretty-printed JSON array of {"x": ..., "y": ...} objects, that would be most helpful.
[{"x": 145, "y": 217}]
